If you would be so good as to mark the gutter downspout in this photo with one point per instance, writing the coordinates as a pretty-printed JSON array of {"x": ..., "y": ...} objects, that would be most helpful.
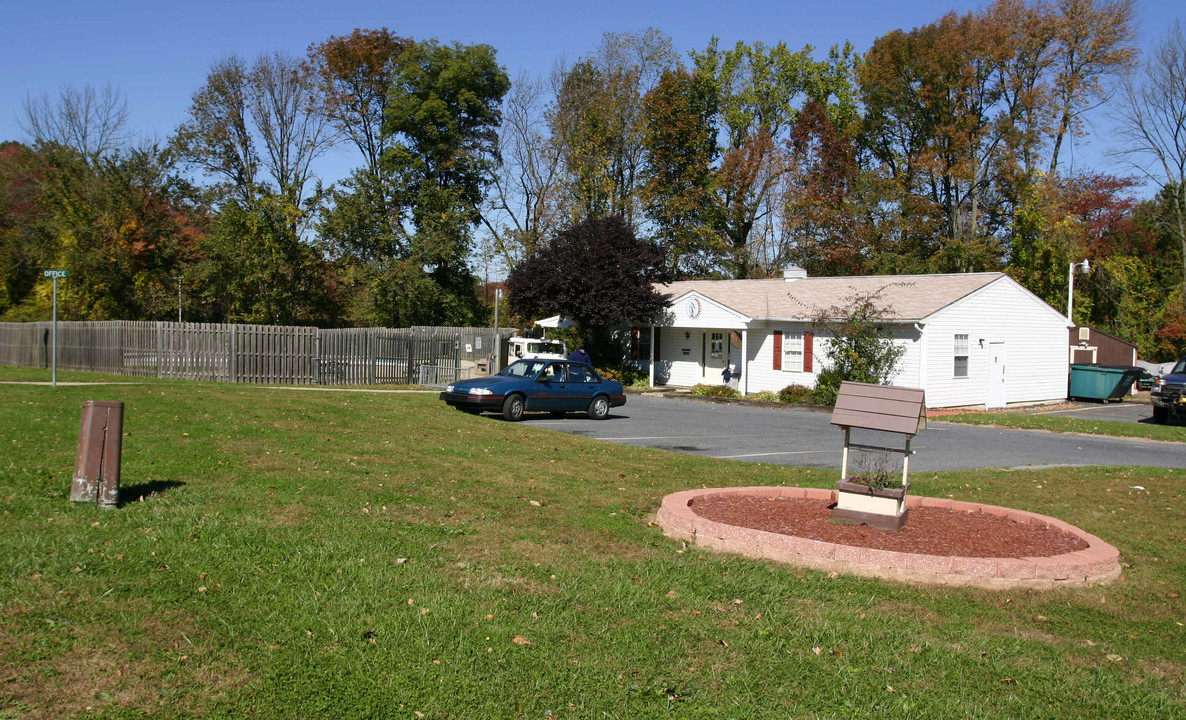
[{"x": 922, "y": 356}]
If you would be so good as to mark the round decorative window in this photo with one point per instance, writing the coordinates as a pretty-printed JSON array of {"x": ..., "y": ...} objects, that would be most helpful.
[{"x": 693, "y": 308}]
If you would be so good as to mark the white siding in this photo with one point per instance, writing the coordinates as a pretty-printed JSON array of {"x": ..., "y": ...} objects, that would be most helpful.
[
  {"x": 763, "y": 376},
  {"x": 674, "y": 366},
  {"x": 1034, "y": 335}
]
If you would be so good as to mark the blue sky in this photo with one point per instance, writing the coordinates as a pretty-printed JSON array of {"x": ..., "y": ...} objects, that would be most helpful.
[{"x": 158, "y": 53}]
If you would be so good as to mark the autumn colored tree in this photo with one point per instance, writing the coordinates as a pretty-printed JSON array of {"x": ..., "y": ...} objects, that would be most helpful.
[
  {"x": 354, "y": 74},
  {"x": 597, "y": 272},
  {"x": 598, "y": 124},
  {"x": 121, "y": 225},
  {"x": 826, "y": 220},
  {"x": 758, "y": 90},
  {"x": 1132, "y": 291},
  {"x": 1094, "y": 43},
  {"x": 931, "y": 97},
  {"x": 21, "y": 213},
  {"x": 679, "y": 190},
  {"x": 1063, "y": 220}
]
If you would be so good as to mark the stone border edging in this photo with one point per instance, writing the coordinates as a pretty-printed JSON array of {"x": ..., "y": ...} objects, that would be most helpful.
[{"x": 1098, "y": 564}]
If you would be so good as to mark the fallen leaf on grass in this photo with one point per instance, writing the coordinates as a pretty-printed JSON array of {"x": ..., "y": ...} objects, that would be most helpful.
[
  {"x": 1115, "y": 658},
  {"x": 817, "y": 650},
  {"x": 520, "y": 640}
]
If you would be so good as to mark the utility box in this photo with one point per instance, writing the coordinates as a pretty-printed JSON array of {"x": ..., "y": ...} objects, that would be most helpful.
[{"x": 100, "y": 444}]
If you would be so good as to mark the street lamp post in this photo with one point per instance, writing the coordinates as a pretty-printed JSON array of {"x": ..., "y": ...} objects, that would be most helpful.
[{"x": 1083, "y": 267}]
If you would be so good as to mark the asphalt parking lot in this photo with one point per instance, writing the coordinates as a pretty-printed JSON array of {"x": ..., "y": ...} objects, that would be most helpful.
[
  {"x": 1135, "y": 409},
  {"x": 808, "y": 439}
]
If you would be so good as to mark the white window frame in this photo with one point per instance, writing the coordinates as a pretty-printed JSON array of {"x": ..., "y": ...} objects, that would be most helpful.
[
  {"x": 792, "y": 351},
  {"x": 960, "y": 342}
]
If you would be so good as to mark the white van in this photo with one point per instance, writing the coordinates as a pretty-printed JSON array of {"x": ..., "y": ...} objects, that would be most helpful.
[{"x": 519, "y": 348}]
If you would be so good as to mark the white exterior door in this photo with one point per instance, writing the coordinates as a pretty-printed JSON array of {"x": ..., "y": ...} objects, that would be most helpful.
[
  {"x": 714, "y": 357},
  {"x": 996, "y": 376}
]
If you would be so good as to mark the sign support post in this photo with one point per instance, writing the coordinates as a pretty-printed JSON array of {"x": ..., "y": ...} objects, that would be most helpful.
[{"x": 55, "y": 274}]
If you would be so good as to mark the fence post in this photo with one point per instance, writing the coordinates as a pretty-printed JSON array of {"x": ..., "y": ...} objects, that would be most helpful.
[{"x": 372, "y": 360}]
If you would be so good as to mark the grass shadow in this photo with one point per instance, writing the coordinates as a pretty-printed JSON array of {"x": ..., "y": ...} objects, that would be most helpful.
[{"x": 132, "y": 493}]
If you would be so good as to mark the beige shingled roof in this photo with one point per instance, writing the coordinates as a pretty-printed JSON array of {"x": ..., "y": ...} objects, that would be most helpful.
[{"x": 906, "y": 297}]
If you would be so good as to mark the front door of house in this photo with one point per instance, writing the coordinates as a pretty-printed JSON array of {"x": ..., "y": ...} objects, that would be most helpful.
[
  {"x": 996, "y": 376},
  {"x": 714, "y": 357}
]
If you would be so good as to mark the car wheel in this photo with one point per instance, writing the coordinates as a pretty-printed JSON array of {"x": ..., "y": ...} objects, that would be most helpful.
[
  {"x": 1159, "y": 415},
  {"x": 599, "y": 408},
  {"x": 512, "y": 408}
]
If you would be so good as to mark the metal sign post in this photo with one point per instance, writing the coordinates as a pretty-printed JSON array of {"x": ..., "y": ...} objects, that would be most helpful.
[
  {"x": 497, "y": 337},
  {"x": 55, "y": 274}
]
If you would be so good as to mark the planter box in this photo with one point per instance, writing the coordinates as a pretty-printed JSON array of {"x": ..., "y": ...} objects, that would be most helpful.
[{"x": 859, "y": 504}]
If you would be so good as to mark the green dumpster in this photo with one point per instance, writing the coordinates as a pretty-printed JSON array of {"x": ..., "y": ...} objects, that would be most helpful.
[{"x": 1102, "y": 382}]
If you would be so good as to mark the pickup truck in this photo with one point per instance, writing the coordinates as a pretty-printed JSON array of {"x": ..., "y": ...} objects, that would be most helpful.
[{"x": 1169, "y": 395}]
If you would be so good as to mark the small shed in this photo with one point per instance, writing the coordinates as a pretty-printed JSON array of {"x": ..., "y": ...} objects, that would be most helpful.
[{"x": 1089, "y": 346}]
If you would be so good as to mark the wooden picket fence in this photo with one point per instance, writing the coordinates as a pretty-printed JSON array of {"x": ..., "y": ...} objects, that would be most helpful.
[{"x": 249, "y": 353}]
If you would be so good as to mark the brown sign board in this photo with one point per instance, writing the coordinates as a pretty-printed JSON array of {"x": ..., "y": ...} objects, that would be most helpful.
[{"x": 880, "y": 407}]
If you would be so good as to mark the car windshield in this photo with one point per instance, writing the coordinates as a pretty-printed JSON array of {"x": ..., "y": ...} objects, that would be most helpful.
[
  {"x": 523, "y": 368},
  {"x": 1180, "y": 368},
  {"x": 545, "y": 346}
]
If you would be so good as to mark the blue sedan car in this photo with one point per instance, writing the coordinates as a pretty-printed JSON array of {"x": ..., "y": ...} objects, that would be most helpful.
[{"x": 555, "y": 386}]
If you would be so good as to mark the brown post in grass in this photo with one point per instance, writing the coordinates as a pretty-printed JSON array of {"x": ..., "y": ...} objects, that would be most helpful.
[{"x": 97, "y": 463}]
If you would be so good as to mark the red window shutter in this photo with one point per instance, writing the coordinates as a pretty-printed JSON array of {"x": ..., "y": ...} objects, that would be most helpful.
[
  {"x": 778, "y": 349},
  {"x": 808, "y": 342},
  {"x": 634, "y": 343}
]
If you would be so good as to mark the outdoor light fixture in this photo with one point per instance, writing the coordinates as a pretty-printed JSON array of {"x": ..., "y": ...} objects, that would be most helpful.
[{"x": 1083, "y": 267}]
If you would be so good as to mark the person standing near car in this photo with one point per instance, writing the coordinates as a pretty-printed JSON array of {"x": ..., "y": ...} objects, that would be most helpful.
[{"x": 579, "y": 355}]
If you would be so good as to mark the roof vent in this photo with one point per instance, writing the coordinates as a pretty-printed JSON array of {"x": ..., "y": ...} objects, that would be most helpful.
[{"x": 791, "y": 273}]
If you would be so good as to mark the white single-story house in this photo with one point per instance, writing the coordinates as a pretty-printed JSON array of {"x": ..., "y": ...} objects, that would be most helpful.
[{"x": 972, "y": 339}]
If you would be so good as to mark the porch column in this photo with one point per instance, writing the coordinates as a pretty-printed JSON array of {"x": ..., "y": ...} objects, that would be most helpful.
[
  {"x": 744, "y": 363},
  {"x": 651, "y": 368}
]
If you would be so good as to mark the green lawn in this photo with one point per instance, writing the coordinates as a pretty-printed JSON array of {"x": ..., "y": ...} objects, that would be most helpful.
[
  {"x": 1032, "y": 421},
  {"x": 289, "y": 554}
]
